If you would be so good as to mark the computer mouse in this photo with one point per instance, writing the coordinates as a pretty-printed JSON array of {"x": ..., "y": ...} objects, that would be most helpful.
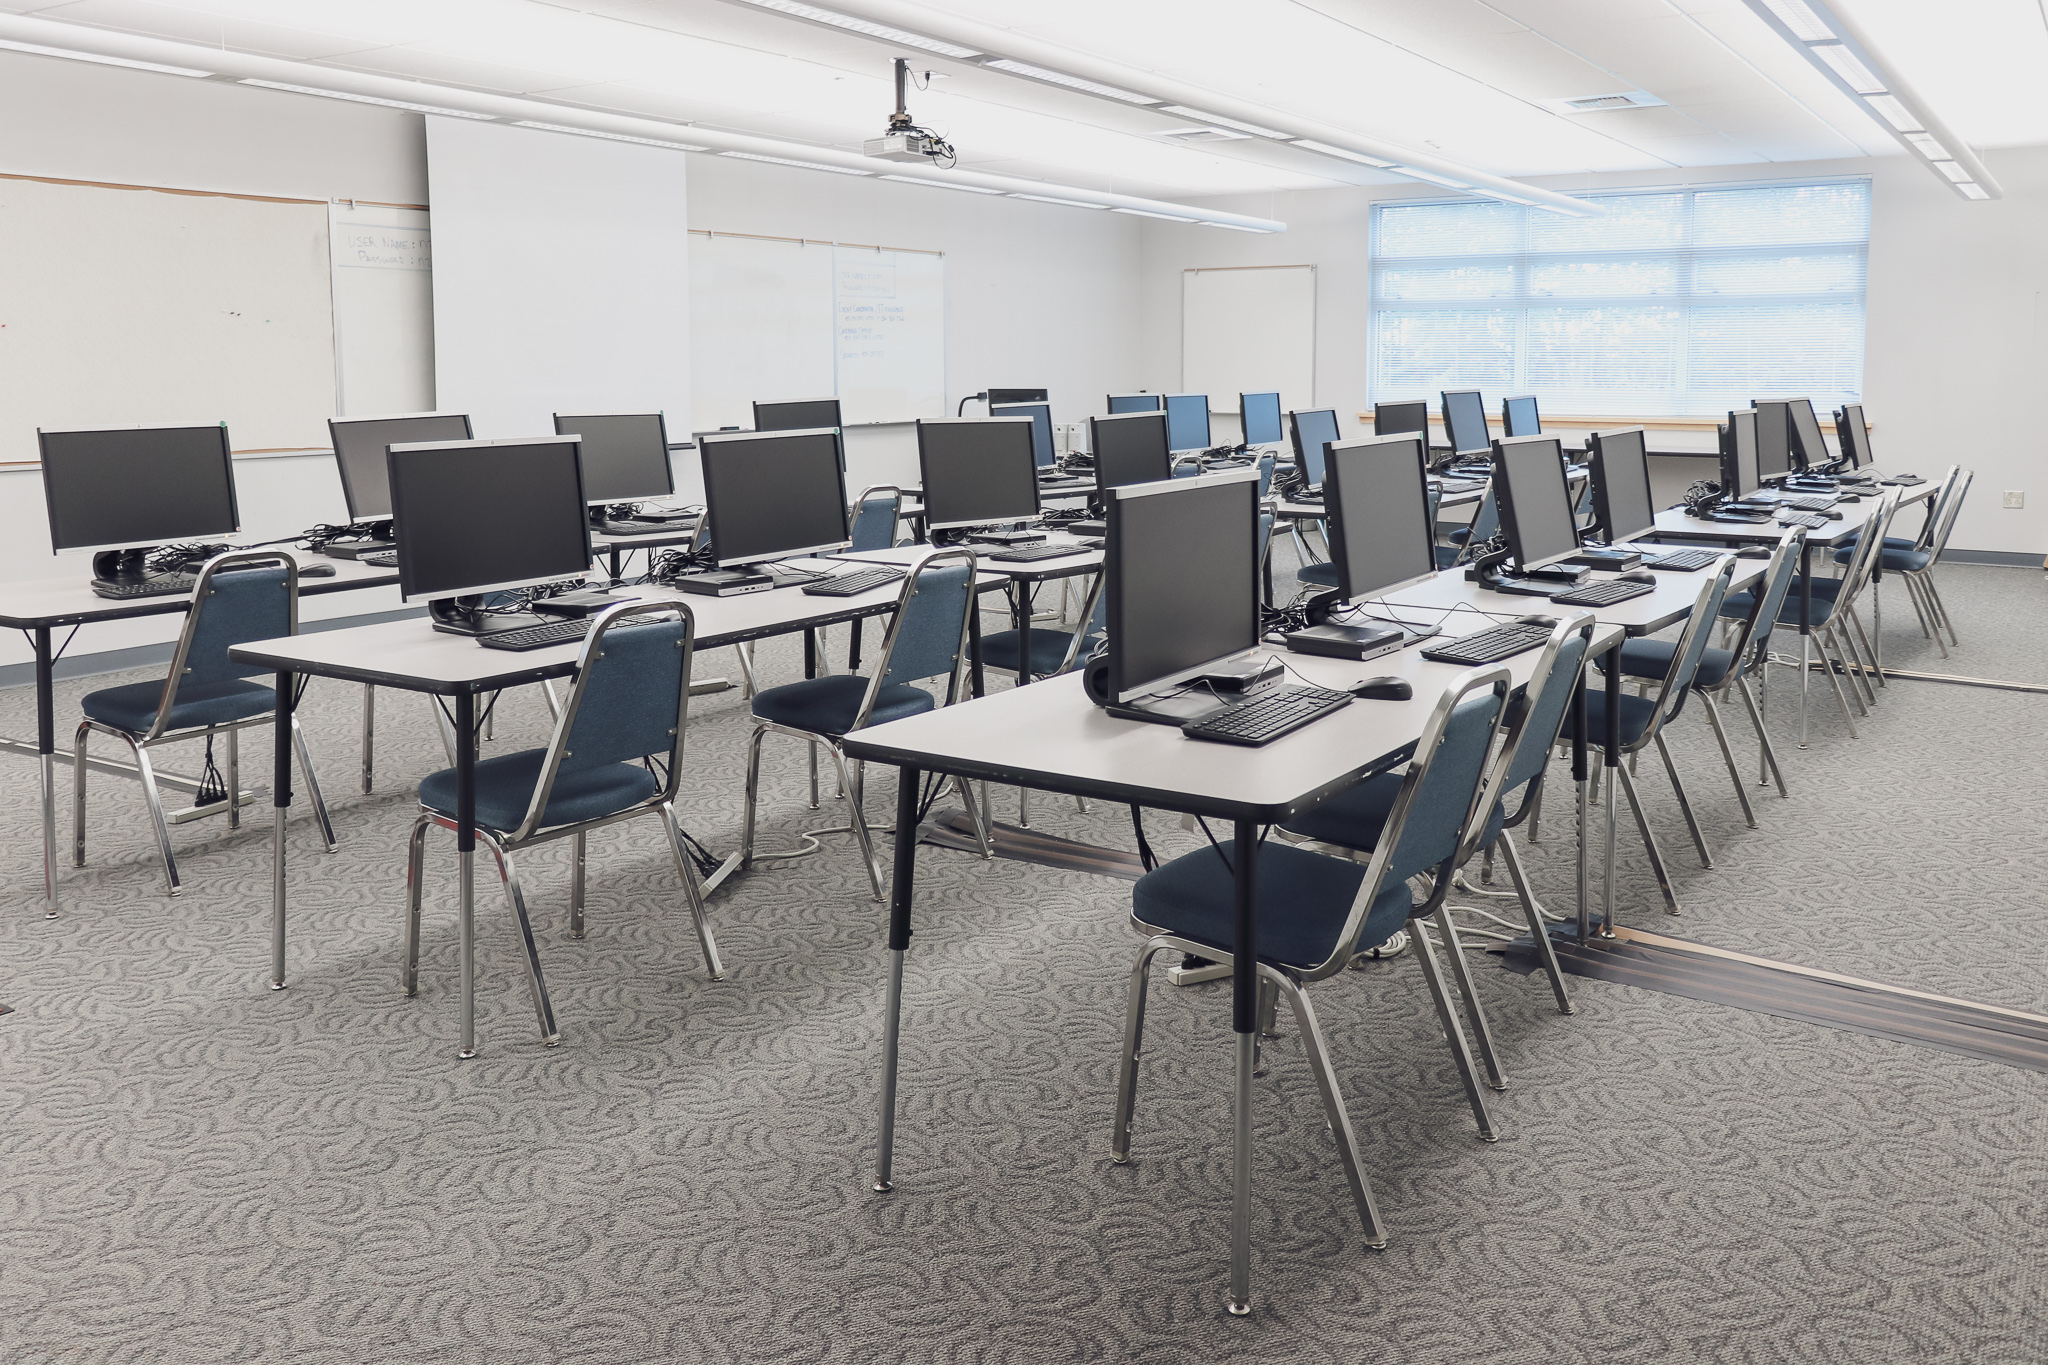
[
  {"x": 1382, "y": 689},
  {"x": 316, "y": 569},
  {"x": 1638, "y": 576}
]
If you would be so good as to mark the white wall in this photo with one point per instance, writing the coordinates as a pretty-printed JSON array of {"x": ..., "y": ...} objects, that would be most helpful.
[{"x": 1957, "y": 332}]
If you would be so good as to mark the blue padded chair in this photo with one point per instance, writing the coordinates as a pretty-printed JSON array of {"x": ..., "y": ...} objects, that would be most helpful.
[
  {"x": 616, "y": 753},
  {"x": 1314, "y": 911},
  {"x": 875, "y": 514},
  {"x": 1914, "y": 560},
  {"x": 239, "y": 597},
  {"x": 1267, "y": 464},
  {"x": 1052, "y": 651},
  {"x": 927, "y": 639}
]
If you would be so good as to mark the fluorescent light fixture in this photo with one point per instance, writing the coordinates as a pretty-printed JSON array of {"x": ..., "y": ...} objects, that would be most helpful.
[
  {"x": 1848, "y": 68},
  {"x": 1971, "y": 190},
  {"x": 1040, "y": 73},
  {"x": 1147, "y": 213},
  {"x": 1955, "y": 173},
  {"x": 365, "y": 99},
  {"x": 872, "y": 30},
  {"x": 1433, "y": 178},
  {"x": 1929, "y": 146},
  {"x": 609, "y": 137},
  {"x": 939, "y": 184},
  {"x": 39, "y": 50},
  {"x": 1804, "y": 23},
  {"x": 1894, "y": 113},
  {"x": 1069, "y": 203},
  {"x": 1326, "y": 149},
  {"x": 1254, "y": 129},
  {"x": 788, "y": 161},
  {"x": 1234, "y": 227}
]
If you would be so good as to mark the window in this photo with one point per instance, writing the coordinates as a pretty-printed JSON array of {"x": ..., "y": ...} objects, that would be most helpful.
[{"x": 1674, "y": 303}]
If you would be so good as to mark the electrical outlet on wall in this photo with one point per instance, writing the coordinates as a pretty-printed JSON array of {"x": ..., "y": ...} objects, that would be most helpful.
[{"x": 2015, "y": 499}]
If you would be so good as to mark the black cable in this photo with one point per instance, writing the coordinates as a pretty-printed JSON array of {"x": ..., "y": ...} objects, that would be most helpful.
[{"x": 1146, "y": 857}]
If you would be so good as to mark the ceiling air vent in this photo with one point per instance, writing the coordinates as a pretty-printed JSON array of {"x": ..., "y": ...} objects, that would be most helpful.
[{"x": 1601, "y": 104}]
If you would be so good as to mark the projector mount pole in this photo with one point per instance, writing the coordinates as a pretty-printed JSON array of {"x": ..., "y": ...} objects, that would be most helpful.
[{"x": 900, "y": 120}]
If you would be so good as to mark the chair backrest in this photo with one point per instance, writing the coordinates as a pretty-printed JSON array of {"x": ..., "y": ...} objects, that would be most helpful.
[
  {"x": 1267, "y": 464},
  {"x": 1534, "y": 720},
  {"x": 928, "y": 635},
  {"x": 1938, "y": 540},
  {"x": 1692, "y": 645},
  {"x": 1094, "y": 627},
  {"x": 1754, "y": 640},
  {"x": 1266, "y": 519},
  {"x": 240, "y": 596},
  {"x": 1485, "y": 524},
  {"x": 1937, "y": 507},
  {"x": 630, "y": 700},
  {"x": 1869, "y": 547},
  {"x": 875, "y": 513}
]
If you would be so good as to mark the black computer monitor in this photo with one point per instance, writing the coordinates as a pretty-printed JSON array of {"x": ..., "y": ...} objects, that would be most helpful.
[
  {"x": 474, "y": 517},
  {"x": 1465, "y": 421},
  {"x": 1809, "y": 451},
  {"x": 1041, "y": 428},
  {"x": 1313, "y": 431},
  {"x": 136, "y": 487},
  {"x": 1377, "y": 497},
  {"x": 976, "y": 470},
  {"x": 1535, "y": 504},
  {"x": 1129, "y": 448},
  {"x": 801, "y": 414},
  {"x": 1182, "y": 578},
  {"x": 1518, "y": 416},
  {"x": 1398, "y": 419},
  {"x": 1259, "y": 416},
  {"x": 1017, "y": 396},
  {"x": 1621, "y": 485},
  {"x": 1187, "y": 421},
  {"x": 1739, "y": 476},
  {"x": 1133, "y": 402},
  {"x": 773, "y": 494},
  {"x": 1853, "y": 433},
  {"x": 625, "y": 454},
  {"x": 359, "y": 446},
  {"x": 1773, "y": 436}
]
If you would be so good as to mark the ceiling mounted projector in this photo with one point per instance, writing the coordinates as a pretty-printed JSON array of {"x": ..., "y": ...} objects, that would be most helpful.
[{"x": 904, "y": 140}]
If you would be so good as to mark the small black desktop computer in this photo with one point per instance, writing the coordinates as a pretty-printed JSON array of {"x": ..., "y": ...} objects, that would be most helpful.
[
  {"x": 121, "y": 493},
  {"x": 360, "y": 444},
  {"x": 1314, "y": 431},
  {"x": 978, "y": 472},
  {"x": 768, "y": 496},
  {"x": 1377, "y": 496},
  {"x": 1535, "y": 516}
]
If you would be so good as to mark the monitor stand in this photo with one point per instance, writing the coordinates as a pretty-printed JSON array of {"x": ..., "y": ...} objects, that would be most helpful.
[{"x": 465, "y": 615}]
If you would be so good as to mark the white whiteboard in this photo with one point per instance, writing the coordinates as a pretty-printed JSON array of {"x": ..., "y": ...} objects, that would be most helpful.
[
  {"x": 132, "y": 306},
  {"x": 891, "y": 314},
  {"x": 1249, "y": 330},
  {"x": 383, "y": 263}
]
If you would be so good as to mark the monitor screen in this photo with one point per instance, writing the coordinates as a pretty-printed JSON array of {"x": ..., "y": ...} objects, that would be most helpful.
[
  {"x": 625, "y": 454},
  {"x": 480, "y": 516},
  {"x": 1133, "y": 402},
  {"x": 1854, "y": 434},
  {"x": 1260, "y": 417},
  {"x": 803, "y": 414},
  {"x": 141, "y": 486},
  {"x": 1535, "y": 505},
  {"x": 1621, "y": 484},
  {"x": 1739, "y": 477},
  {"x": 1808, "y": 449},
  {"x": 1377, "y": 496},
  {"x": 359, "y": 446},
  {"x": 976, "y": 470},
  {"x": 1187, "y": 421},
  {"x": 771, "y": 495},
  {"x": 1773, "y": 436},
  {"x": 1398, "y": 419},
  {"x": 1465, "y": 421},
  {"x": 1041, "y": 427},
  {"x": 1182, "y": 578},
  {"x": 1017, "y": 396},
  {"x": 1313, "y": 432},
  {"x": 1129, "y": 449},
  {"x": 1518, "y": 416}
]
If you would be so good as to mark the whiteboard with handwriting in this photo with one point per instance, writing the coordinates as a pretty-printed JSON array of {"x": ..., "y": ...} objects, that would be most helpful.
[{"x": 383, "y": 264}]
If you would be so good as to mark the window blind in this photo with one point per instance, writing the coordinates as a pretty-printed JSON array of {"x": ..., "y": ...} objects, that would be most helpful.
[{"x": 1673, "y": 303}]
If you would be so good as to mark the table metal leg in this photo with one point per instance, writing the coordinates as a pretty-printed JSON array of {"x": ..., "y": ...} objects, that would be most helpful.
[
  {"x": 1579, "y": 775},
  {"x": 1244, "y": 1023},
  {"x": 1805, "y": 631},
  {"x": 280, "y": 815},
  {"x": 1613, "y": 761},
  {"x": 46, "y": 749},
  {"x": 369, "y": 736},
  {"x": 465, "y": 859},
  {"x": 908, "y": 780},
  {"x": 1021, "y": 609},
  {"x": 977, "y": 679}
]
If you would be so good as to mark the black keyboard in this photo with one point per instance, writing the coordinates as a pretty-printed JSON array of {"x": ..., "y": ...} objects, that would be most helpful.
[
  {"x": 1812, "y": 521},
  {"x": 1603, "y": 593},
  {"x": 163, "y": 585},
  {"x": 538, "y": 637},
  {"x": 1031, "y": 552},
  {"x": 1805, "y": 504},
  {"x": 1489, "y": 646},
  {"x": 1683, "y": 561},
  {"x": 853, "y": 584},
  {"x": 379, "y": 559},
  {"x": 1269, "y": 715}
]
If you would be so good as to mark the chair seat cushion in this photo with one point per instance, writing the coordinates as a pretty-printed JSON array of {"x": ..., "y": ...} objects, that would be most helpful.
[
  {"x": 133, "y": 707},
  {"x": 1302, "y": 901},
  {"x": 504, "y": 788},
  {"x": 829, "y": 706},
  {"x": 1636, "y": 715},
  {"x": 1738, "y": 605},
  {"x": 1899, "y": 558},
  {"x": 1322, "y": 575},
  {"x": 1353, "y": 818},
  {"x": 1653, "y": 659},
  {"x": 1048, "y": 651}
]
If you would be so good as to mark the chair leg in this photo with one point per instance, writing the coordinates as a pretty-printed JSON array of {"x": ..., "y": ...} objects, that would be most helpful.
[
  {"x": 746, "y": 658},
  {"x": 1940, "y": 608},
  {"x": 154, "y": 799},
  {"x": 753, "y": 797},
  {"x": 1024, "y": 808},
  {"x": 1536, "y": 816},
  {"x": 234, "y": 779},
  {"x": 577, "y": 855},
  {"x": 1692, "y": 823},
  {"x": 312, "y": 786},
  {"x": 369, "y": 736},
  {"x": 974, "y": 817},
  {"x": 536, "y": 984},
  {"x": 1713, "y": 710},
  {"x": 695, "y": 894},
  {"x": 1867, "y": 671},
  {"x": 1835, "y": 681},
  {"x": 859, "y": 822},
  {"x": 1538, "y": 931},
  {"x": 1930, "y": 624},
  {"x": 1467, "y": 987},
  {"x": 415, "y": 866},
  {"x": 1853, "y": 668},
  {"x": 813, "y": 748},
  {"x": 1318, "y": 1054},
  {"x": 78, "y": 743},
  {"x": 547, "y": 692},
  {"x": 1127, "y": 1064},
  {"x": 1635, "y": 804},
  {"x": 1454, "y": 1034},
  {"x": 1763, "y": 737}
]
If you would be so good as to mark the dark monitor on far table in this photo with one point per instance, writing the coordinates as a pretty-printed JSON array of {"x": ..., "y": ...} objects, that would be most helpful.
[
  {"x": 1535, "y": 505},
  {"x": 359, "y": 446},
  {"x": 1809, "y": 450},
  {"x": 1853, "y": 433},
  {"x": 1465, "y": 421},
  {"x": 1017, "y": 396},
  {"x": 976, "y": 470},
  {"x": 1182, "y": 578},
  {"x": 1377, "y": 497},
  {"x": 1259, "y": 416},
  {"x": 625, "y": 454},
  {"x": 1773, "y": 436},
  {"x": 1518, "y": 416},
  {"x": 1129, "y": 448},
  {"x": 134, "y": 487},
  {"x": 1133, "y": 402},
  {"x": 1313, "y": 432},
  {"x": 1398, "y": 419},
  {"x": 475, "y": 517},
  {"x": 1041, "y": 428},
  {"x": 1739, "y": 476},
  {"x": 1621, "y": 485},
  {"x": 800, "y": 414},
  {"x": 1187, "y": 421},
  {"x": 772, "y": 495}
]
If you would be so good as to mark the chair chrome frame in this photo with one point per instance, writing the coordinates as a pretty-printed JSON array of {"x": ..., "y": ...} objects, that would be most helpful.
[
  {"x": 159, "y": 733},
  {"x": 876, "y": 492},
  {"x": 532, "y": 832},
  {"x": 1750, "y": 644},
  {"x": 1836, "y": 633},
  {"x": 1920, "y": 589}
]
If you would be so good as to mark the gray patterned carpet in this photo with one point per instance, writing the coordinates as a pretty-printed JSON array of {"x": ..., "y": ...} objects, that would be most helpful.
[{"x": 193, "y": 1168}]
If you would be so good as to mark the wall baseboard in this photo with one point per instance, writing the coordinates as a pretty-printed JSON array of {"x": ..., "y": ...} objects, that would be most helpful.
[
  {"x": 2010, "y": 558},
  {"x": 148, "y": 656}
]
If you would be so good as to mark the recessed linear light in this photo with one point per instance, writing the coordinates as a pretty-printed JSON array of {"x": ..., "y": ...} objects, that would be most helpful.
[
  {"x": 1956, "y": 174},
  {"x": 1204, "y": 133},
  {"x": 365, "y": 99},
  {"x": 939, "y": 184},
  {"x": 1804, "y": 23},
  {"x": 1848, "y": 68},
  {"x": 1069, "y": 203},
  {"x": 1972, "y": 190},
  {"x": 1894, "y": 112},
  {"x": 1435, "y": 179},
  {"x": 790, "y": 161},
  {"x": 1040, "y": 73},
  {"x": 609, "y": 137},
  {"x": 1326, "y": 149},
  {"x": 1234, "y": 227},
  {"x": 37, "y": 49},
  {"x": 1929, "y": 146},
  {"x": 1254, "y": 129},
  {"x": 872, "y": 30},
  {"x": 1147, "y": 213}
]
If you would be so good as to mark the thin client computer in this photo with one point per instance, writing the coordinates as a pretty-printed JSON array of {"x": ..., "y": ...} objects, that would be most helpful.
[
  {"x": 480, "y": 517},
  {"x": 1465, "y": 423},
  {"x": 625, "y": 459},
  {"x": 122, "y": 493},
  {"x": 1132, "y": 402},
  {"x": 978, "y": 471},
  {"x": 768, "y": 495},
  {"x": 1259, "y": 419},
  {"x": 360, "y": 444},
  {"x": 1518, "y": 416},
  {"x": 1399, "y": 419},
  {"x": 1377, "y": 497},
  {"x": 1187, "y": 421},
  {"x": 1535, "y": 515},
  {"x": 1313, "y": 432}
]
